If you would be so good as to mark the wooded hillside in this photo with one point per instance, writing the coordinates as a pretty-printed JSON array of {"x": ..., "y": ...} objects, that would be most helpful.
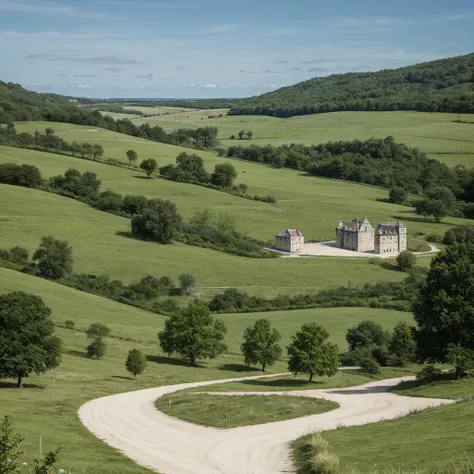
[{"x": 445, "y": 85}]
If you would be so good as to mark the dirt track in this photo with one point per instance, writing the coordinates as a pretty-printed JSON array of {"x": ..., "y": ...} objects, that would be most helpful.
[{"x": 131, "y": 423}]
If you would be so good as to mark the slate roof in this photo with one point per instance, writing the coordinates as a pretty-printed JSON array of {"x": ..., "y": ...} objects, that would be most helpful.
[
  {"x": 354, "y": 225},
  {"x": 389, "y": 228},
  {"x": 290, "y": 233}
]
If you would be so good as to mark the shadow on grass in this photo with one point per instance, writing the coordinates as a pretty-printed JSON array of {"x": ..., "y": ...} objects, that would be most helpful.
[
  {"x": 411, "y": 384},
  {"x": 239, "y": 368},
  {"x": 79, "y": 354},
  {"x": 172, "y": 361},
  {"x": 141, "y": 177},
  {"x": 4, "y": 384},
  {"x": 283, "y": 383},
  {"x": 121, "y": 377},
  {"x": 389, "y": 266}
]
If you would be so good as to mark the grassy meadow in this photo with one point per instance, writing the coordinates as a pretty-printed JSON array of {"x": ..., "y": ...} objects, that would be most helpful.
[
  {"x": 222, "y": 411},
  {"x": 48, "y": 404},
  {"x": 315, "y": 205},
  {"x": 102, "y": 244},
  {"x": 434, "y": 133}
]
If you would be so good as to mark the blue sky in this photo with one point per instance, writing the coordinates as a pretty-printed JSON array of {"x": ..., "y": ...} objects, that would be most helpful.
[{"x": 218, "y": 48}]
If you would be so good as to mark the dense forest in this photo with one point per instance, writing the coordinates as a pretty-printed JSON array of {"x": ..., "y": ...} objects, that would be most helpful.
[{"x": 445, "y": 85}]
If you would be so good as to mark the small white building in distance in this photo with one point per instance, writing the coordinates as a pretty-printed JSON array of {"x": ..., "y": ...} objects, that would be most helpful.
[
  {"x": 289, "y": 240},
  {"x": 390, "y": 237}
]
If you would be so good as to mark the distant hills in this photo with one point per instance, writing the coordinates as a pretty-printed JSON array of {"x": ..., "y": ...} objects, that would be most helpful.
[{"x": 445, "y": 85}]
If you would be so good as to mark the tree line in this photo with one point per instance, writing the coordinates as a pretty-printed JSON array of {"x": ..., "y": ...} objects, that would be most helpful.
[
  {"x": 377, "y": 162},
  {"x": 53, "y": 260},
  {"x": 155, "y": 220},
  {"x": 438, "y": 86},
  {"x": 189, "y": 168}
]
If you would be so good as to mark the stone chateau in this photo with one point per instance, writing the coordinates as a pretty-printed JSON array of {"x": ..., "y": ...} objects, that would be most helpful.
[
  {"x": 389, "y": 238},
  {"x": 289, "y": 240}
]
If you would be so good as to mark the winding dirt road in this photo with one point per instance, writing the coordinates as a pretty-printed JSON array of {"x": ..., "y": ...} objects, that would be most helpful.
[{"x": 131, "y": 423}]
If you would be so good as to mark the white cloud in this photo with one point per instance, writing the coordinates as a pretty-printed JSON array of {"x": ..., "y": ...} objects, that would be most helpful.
[
  {"x": 44, "y": 8},
  {"x": 209, "y": 86}
]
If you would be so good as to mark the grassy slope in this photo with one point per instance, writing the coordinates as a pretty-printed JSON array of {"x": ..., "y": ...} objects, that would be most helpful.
[
  {"x": 427, "y": 440},
  {"x": 51, "y": 411},
  {"x": 434, "y": 133},
  {"x": 446, "y": 388},
  {"x": 101, "y": 245},
  {"x": 312, "y": 204},
  {"x": 232, "y": 411}
]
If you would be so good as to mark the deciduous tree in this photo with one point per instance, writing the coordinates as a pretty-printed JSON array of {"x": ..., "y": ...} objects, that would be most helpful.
[
  {"x": 136, "y": 362},
  {"x": 224, "y": 175},
  {"x": 365, "y": 334},
  {"x": 97, "y": 332},
  {"x": 27, "y": 341},
  {"x": 132, "y": 156},
  {"x": 54, "y": 258},
  {"x": 186, "y": 282},
  {"x": 159, "y": 220},
  {"x": 148, "y": 166},
  {"x": 402, "y": 344},
  {"x": 310, "y": 354},
  {"x": 193, "y": 333},
  {"x": 261, "y": 344},
  {"x": 444, "y": 310},
  {"x": 406, "y": 260}
]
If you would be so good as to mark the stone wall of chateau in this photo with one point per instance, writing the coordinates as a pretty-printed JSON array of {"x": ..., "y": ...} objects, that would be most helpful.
[
  {"x": 391, "y": 243},
  {"x": 289, "y": 244},
  {"x": 366, "y": 241},
  {"x": 283, "y": 243},
  {"x": 356, "y": 241}
]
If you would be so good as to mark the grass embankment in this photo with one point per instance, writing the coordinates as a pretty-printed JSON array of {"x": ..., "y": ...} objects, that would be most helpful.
[
  {"x": 446, "y": 387},
  {"x": 436, "y": 440},
  {"x": 223, "y": 411},
  {"x": 102, "y": 244},
  {"x": 434, "y": 133},
  {"x": 48, "y": 405}
]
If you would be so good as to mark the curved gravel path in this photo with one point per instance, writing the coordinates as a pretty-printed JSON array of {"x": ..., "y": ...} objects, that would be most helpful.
[{"x": 131, "y": 423}]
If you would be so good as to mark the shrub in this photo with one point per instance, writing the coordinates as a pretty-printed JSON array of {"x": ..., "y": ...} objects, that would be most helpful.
[
  {"x": 20, "y": 175},
  {"x": 434, "y": 238},
  {"x": 369, "y": 365},
  {"x": 324, "y": 463},
  {"x": 406, "y": 260},
  {"x": 70, "y": 324},
  {"x": 96, "y": 349},
  {"x": 397, "y": 195},
  {"x": 429, "y": 372}
]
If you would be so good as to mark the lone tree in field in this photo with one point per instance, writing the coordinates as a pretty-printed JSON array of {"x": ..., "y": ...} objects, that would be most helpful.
[
  {"x": 260, "y": 344},
  {"x": 148, "y": 166},
  {"x": 158, "y": 220},
  {"x": 445, "y": 307},
  {"x": 310, "y": 354},
  {"x": 366, "y": 334},
  {"x": 249, "y": 134},
  {"x": 54, "y": 258},
  {"x": 193, "y": 333},
  {"x": 406, "y": 260},
  {"x": 136, "y": 362},
  {"x": 402, "y": 344},
  {"x": 97, "y": 332},
  {"x": 132, "y": 156},
  {"x": 241, "y": 134},
  {"x": 186, "y": 282},
  {"x": 27, "y": 343}
]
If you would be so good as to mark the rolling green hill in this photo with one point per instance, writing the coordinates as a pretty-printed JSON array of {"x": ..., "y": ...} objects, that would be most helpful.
[{"x": 445, "y": 85}]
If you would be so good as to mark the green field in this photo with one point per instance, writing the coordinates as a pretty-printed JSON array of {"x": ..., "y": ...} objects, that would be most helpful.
[
  {"x": 224, "y": 411},
  {"x": 444, "y": 388},
  {"x": 49, "y": 403},
  {"x": 427, "y": 440},
  {"x": 101, "y": 244},
  {"x": 433, "y": 133},
  {"x": 314, "y": 205}
]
